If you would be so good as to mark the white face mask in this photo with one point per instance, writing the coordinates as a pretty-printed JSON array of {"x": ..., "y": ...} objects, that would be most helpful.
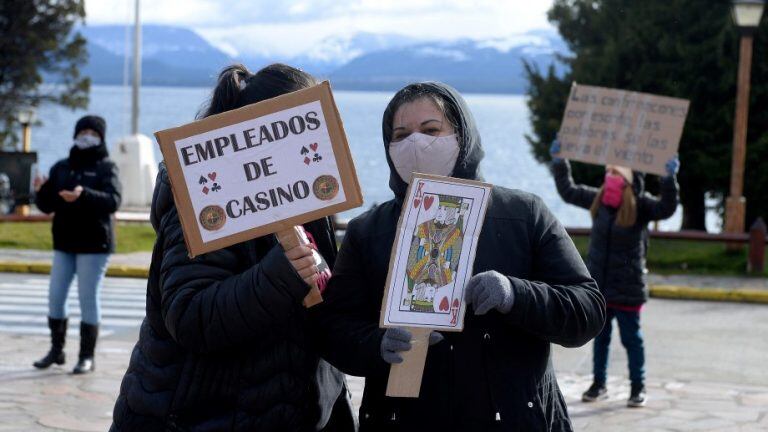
[
  {"x": 426, "y": 154},
  {"x": 87, "y": 141}
]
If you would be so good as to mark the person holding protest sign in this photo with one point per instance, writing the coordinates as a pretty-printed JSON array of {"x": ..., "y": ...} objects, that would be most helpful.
[
  {"x": 225, "y": 344},
  {"x": 530, "y": 288},
  {"x": 618, "y": 244},
  {"x": 83, "y": 191}
]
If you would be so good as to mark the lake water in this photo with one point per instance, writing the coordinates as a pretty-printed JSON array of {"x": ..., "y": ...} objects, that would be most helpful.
[{"x": 502, "y": 120}]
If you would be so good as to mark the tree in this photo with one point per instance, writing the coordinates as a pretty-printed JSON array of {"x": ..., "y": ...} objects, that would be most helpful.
[
  {"x": 680, "y": 48},
  {"x": 37, "y": 41}
]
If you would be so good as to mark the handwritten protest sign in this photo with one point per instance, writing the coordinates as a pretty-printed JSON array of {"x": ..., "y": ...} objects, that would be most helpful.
[
  {"x": 260, "y": 169},
  {"x": 616, "y": 127},
  {"x": 431, "y": 262}
]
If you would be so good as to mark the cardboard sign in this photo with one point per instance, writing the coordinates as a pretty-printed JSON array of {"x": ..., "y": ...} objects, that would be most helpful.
[
  {"x": 616, "y": 127},
  {"x": 434, "y": 252},
  {"x": 260, "y": 169}
]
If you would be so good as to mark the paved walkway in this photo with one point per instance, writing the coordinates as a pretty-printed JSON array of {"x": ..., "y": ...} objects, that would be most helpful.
[
  {"x": 706, "y": 367},
  {"x": 32, "y": 400}
]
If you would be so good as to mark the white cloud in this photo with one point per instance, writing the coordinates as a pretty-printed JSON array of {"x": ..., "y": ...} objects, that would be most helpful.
[{"x": 289, "y": 28}]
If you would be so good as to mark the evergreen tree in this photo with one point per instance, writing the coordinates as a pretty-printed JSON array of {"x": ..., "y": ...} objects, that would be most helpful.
[
  {"x": 679, "y": 48},
  {"x": 36, "y": 39}
]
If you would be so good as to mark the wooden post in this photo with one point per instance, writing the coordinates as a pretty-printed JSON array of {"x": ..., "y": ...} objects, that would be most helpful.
[
  {"x": 405, "y": 378},
  {"x": 757, "y": 232},
  {"x": 735, "y": 203},
  {"x": 291, "y": 238}
]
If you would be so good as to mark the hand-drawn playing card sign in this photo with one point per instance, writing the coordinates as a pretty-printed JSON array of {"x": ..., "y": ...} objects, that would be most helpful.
[
  {"x": 260, "y": 169},
  {"x": 434, "y": 252},
  {"x": 618, "y": 127}
]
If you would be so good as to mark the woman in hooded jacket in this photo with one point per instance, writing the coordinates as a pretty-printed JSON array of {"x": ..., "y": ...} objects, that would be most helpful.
[
  {"x": 225, "y": 344},
  {"x": 530, "y": 289},
  {"x": 82, "y": 191},
  {"x": 618, "y": 244}
]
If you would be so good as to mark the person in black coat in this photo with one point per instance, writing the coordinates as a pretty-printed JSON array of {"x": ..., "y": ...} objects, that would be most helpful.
[
  {"x": 225, "y": 344},
  {"x": 83, "y": 192},
  {"x": 618, "y": 245},
  {"x": 530, "y": 288}
]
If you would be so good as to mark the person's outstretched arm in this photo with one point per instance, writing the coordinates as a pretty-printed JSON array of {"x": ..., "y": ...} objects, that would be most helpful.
[
  {"x": 210, "y": 303},
  {"x": 570, "y": 192},
  {"x": 346, "y": 324},
  {"x": 560, "y": 303},
  {"x": 664, "y": 207}
]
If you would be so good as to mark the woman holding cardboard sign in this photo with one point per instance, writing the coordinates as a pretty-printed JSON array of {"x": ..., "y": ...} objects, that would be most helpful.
[
  {"x": 530, "y": 288},
  {"x": 225, "y": 343},
  {"x": 621, "y": 211}
]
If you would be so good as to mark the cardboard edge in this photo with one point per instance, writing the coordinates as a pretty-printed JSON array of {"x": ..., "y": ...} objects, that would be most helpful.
[{"x": 167, "y": 138}]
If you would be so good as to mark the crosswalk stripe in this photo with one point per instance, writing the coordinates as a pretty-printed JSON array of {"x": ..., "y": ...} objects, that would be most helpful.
[{"x": 24, "y": 304}]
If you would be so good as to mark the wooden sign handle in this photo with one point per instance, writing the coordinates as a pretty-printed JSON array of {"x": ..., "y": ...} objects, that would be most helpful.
[
  {"x": 291, "y": 238},
  {"x": 405, "y": 377}
]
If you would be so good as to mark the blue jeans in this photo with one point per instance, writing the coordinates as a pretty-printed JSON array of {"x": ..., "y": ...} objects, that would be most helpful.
[
  {"x": 90, "y": 270},
  {"x": 631, "y": 338}
]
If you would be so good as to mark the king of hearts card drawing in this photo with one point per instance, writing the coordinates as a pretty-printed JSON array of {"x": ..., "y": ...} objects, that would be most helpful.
[{"x": 434, "y": 251}]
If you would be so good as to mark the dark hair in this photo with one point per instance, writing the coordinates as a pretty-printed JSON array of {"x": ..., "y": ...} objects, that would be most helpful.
[
  {"x": 416, "y": 91},
  {"x": 238, "y": 87}
]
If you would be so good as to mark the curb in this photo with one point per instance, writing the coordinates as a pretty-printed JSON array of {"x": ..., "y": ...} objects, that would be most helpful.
[
  {"x": 45, "y": 268},
  {"x": 736, "y": 295}
]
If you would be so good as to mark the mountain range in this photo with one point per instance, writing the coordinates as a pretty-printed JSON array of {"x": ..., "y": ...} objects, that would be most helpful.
[{"x": 176, "y": 56}]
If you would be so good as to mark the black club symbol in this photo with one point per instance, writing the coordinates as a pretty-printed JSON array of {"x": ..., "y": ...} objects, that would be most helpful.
[
  {"x": 317, "y": 157},
  {"x": 215, "y": 187}
]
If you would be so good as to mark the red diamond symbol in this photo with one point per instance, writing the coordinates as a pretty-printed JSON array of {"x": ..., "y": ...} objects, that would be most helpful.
[
  {"x": 205, "y": 190},
  {"x": 307, "y": 160}
]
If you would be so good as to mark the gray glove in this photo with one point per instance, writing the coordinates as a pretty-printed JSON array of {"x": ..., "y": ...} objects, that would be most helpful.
[
  {"x": 397, "y": 339},
  {"x": 489, "y": 290}
]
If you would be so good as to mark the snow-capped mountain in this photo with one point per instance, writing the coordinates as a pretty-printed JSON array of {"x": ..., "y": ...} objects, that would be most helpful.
[{"x": 365, "y": 61}]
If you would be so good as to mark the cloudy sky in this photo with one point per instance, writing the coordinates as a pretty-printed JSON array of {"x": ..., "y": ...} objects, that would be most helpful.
[{"x": 288, "y": 27}]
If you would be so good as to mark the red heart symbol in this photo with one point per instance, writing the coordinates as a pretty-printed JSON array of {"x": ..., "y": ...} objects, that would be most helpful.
[
  {"x": 205, "y": 190},
  {"x": 456, "y": 303},
  {"x": 212, "y": 176},
  {"x": 428, "y": 200},
  {"x": 313, "y": 146},
  {"x": 416, "y": 203},
  {"x": 307, "y": 160},
  {"x": 444, "y": 304}
]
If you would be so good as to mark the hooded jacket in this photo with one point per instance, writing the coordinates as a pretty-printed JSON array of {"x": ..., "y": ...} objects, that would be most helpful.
[
  {"x": 496, "y": 374},
  {"x": 85, "y": 225},
  {"x": 617, "y": 255},
  {"x": 225, "y": 344}
]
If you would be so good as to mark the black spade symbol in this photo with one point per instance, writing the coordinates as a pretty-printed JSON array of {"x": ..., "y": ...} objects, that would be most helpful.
[
  {"x": 304, "y": 150},
  {"x": 202, "y": 180}
]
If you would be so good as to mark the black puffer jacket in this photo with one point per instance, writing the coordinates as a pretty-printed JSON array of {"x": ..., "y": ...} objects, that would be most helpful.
[
  {"x": 617, "y": 254},
  {"x": 85, "y": 225},
  {"x": 497, "y": 374},
  {"x": 225, "y": 345}
]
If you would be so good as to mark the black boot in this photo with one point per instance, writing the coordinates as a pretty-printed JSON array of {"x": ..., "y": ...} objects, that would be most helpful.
[
  {"x": 88, "y": 335},
  {"x": 58, "y": 329}
]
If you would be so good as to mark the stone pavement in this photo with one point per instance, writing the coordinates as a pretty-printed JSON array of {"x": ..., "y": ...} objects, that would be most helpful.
[
  {"x": 706, "y": 366},
  {"x": 32, "y": 400}
]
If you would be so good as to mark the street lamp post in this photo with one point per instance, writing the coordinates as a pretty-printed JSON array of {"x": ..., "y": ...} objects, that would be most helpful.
[
  {"x": 746, "y": 14},
  {"x": 26, "y": 116}
]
